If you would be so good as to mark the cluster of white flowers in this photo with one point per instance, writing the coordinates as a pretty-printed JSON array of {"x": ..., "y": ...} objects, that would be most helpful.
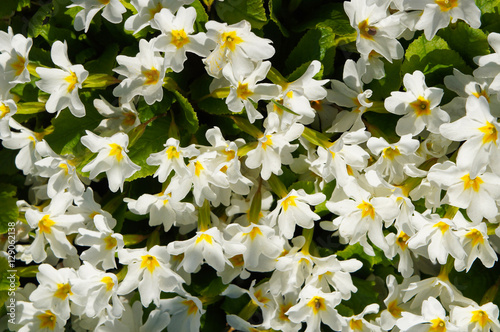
[{"x": 232, "y": 210}]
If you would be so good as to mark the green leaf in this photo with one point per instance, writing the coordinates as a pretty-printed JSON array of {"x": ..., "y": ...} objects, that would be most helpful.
[
  {"x": 68, "y": 129},
  {"x": 8, "y": 7},
  {"x": 308, "y": 186},
  {"x": 201, "y": 16},
  {"x": 365, "y": 295},
  {"x": 434, "y": 58},
  {"x": 468, "y": 42},
  {"x": 316, "y": 44},
  {"x": 187, "y": 119},
  {"x": 8, "y": 207},
  {"x": 105, "y": 62},
  {"x": 23, "y": 3},
  {"x": 331, "y": 15},
  {"x": 356, "y": 251},
  {"x": 234, "y": 11},
  {"x": 275, "y": 11},
  {"x": 38, "y": 23},
  {"x": 150, "y": 142},
  {"x": 487, "y": 6},
  {"x": 382, "y": 88}
]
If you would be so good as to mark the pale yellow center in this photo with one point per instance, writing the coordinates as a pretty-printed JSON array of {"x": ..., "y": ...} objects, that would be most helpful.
[
  {"x": 72, "y": 81},
  {"x": 421, "y": 106},
  {"x": 230, "y": 40},
  {"x": 446, "y": 5},
  {"x": 45, "y": 224},
  {"x": 149, "y": 262},
  {"x": 47, "y": 320},
  {"x": 179, "y": 38},
  {"x": 152, "y": 76},
  {"x": 438, "y": 325},
  {"x": 481, "y": 317},
  {"x": 366, "y": 31},
  {"x": 116, "y": 151},
  {"x": 475, "y": 183},
  {"x": 108, "y": 281},
  {"x": 242, "y": 91},
  {"x": 490, "y": 133},
  {"x": 475, "y": 236},
  {"x": 289, "y": 201},
  {"x": 172, "y": 152},
  {"x": 367, "y": 210},
  {"x": 442, "y": 226},
  {"x": 317, "y": 304},
  {"x": 391, "y": 153},
  {"x": 63, "y": 290},
  {"x": 110, "y": 242},
  {"x": 204, "y": 237}
]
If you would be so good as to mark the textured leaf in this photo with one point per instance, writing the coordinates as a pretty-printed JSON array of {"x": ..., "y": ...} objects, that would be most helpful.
[
  {"x": 233, "y": 11},
  {"x": 331, "y": 15},
  {"x": 8, "y": 207},
  {"x": 316, "y": 44},
  {"x": 201, "y": 16},
  {"x": 468, "y": 42},
  {"x": 434, "y": 58},
  {"x": 487, "y": 6},
  {"x": 187, "y": 119}
]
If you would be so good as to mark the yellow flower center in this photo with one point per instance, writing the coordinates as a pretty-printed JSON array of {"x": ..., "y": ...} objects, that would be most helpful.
[
  {"x": 289, "y": 201},
  {"x": 45, "y": 224},
  {"x": 243, "y": 92},
  {"x": 129, "y": 119},
  {"x": 4, "y": 110},
  {"x": 394, "y": 309},
  {"x": 149, "y": 262},
  {"x": 366, "y": 210},
  {"x": 192, "y": 307},
  {"x": 204, "y": 237},
  {"x": 104, "y": 2},
  {"x": 179, "y": 38},
  {"x": 116, "y": 151},
  {"x": 172, "y": 152},
  {"x": 230, "y": 40},
  {"x": 198, "y": 167},
  {"x": 152, "y": 76},
  {"x": 481, "y": 317},
  {"x": 110, "y": 242},
  {"x": 438, "y": 325},
  {"x": 490, "y": 133},
  {"x": 72, "y": 81},
  {"x": 47, "y": 320},
  {"x": 63, "y": 290},
  {"x": 253, "y": 233},
  {"x": 108, "y": 281},
  {"x": 391, "y": 153},
  {"x": 366, "y": 31},
  {"x": 476, "y": 237},
  {"x": 442, "y": 226},
  {"x": 316, "y": 304},
  {"x": 446, "y": 5},
  {"x": 421, "y": 106},
  {"x": 19, "y": 65},
  {"x": 475, "y": 183},
  {"x": 356, "y": 324},
  {"x": 64, "y": 167},
  {"x": 237, "y": 260},
  {"x": 260, "y": 297},
  {"x": 155, "y": 10},
  {"x": 267, "y": 142},
  {"x": 283, "y": 309},
  {"x": 402, "y": 239}
]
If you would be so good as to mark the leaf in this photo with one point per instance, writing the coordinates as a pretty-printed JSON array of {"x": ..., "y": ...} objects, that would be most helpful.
[
  {"x": 38, "y": 23},
  {"x": 68, "y": 128},
  {"x": 150, "y": 142},
  {"x": 234, "y": 11},
  {"x": 434, "y": 58},
  {"x": 356, "y": 251},
  {"x": 365, "y": 295},
  {"x": 316, "y": 44},
  {"x": 201, "y": 16},
  {"x": 187, "y": 119},
  {"x": 468, "y": 42},
  {"x": 275, "y": 11},
  {"x": 331, "y": 15},
  {"x": 8, "y": 207},
  {"x": 308, "y": 186},
  {"x": 487, "y": 6},
  {"x": 8, "y": 7},
  {"x": 382, "y": 88}
]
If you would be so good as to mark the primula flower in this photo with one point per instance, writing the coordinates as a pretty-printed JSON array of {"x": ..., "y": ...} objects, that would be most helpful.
[
  {"x": 52, "y": 225},
  {"x": 62, "y": 84},
  {"x": 32, "y": 319},
  {"x": 147, "y": 10},
  {"x": 419, "y": 105},
  {"x": 359, "y": 323},
  {"x": 244, "y": 90},
  {"x": 112, "y": 158},
  {"x": 177, "y": 37},
  {"x": 185, "y": 311},
  {"x": 377, "y": 30},
  {"x": 55, "y": 289},
  {"x": 433, "y": 318},
  {"x": 144, "y": 74},
  {"x": 14, "y": 58},
  {"x": 476, "y": 318},
  {"x": 8, "y": 108},
  {"x": 438, "y": 14},
  {"x": 103, "y": 244},
  {"x": 150, "y": 271},
  {"x": 479, "y": 129},
  {"x": 123, "y": 118},
  {"x": 294, "y": 209},
  {"x": 237, "y": 45},
  {"x": 113, "y": 11},
  {"x": 315, "y": 307}
]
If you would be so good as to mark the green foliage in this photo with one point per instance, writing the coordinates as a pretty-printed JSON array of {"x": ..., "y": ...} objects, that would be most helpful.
[
  {"x": 233, "y": 11},
  {"x": 8, "y": 207},
  {"x": 488, "y": 6},
  {"x": 433, "y": 58}
]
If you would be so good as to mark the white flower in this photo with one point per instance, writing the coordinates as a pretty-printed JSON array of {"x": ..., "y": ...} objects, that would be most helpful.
[
  {"x": 147, "y": 10},
  {"x": 185, "y": 311},
  {"x": 476, "y": 318},
  {"x": 237, "y": 45},
  {"x": 123, "y": 118},
  {"x": 32, "y": 319},
  {"x": 112, "y": 158},
  {"x": 177, "y": 37},
  {"x": 433, "y": 318},
  {"x": 144, "y": 74},
  {"x": 14, "y": 59},
  {"x": 419, "y": 105},
  {"x": 62, "y": 84},
  {"x": 150, "y": 271},
  {"x": 113, "y": 10}
]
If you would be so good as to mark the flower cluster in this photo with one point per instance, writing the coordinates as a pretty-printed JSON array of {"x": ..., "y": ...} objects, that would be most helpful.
[{"x": 280, "y": 213}]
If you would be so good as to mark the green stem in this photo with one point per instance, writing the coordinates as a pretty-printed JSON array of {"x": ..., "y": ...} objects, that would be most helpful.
[{"x": 204, "y": 217}]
